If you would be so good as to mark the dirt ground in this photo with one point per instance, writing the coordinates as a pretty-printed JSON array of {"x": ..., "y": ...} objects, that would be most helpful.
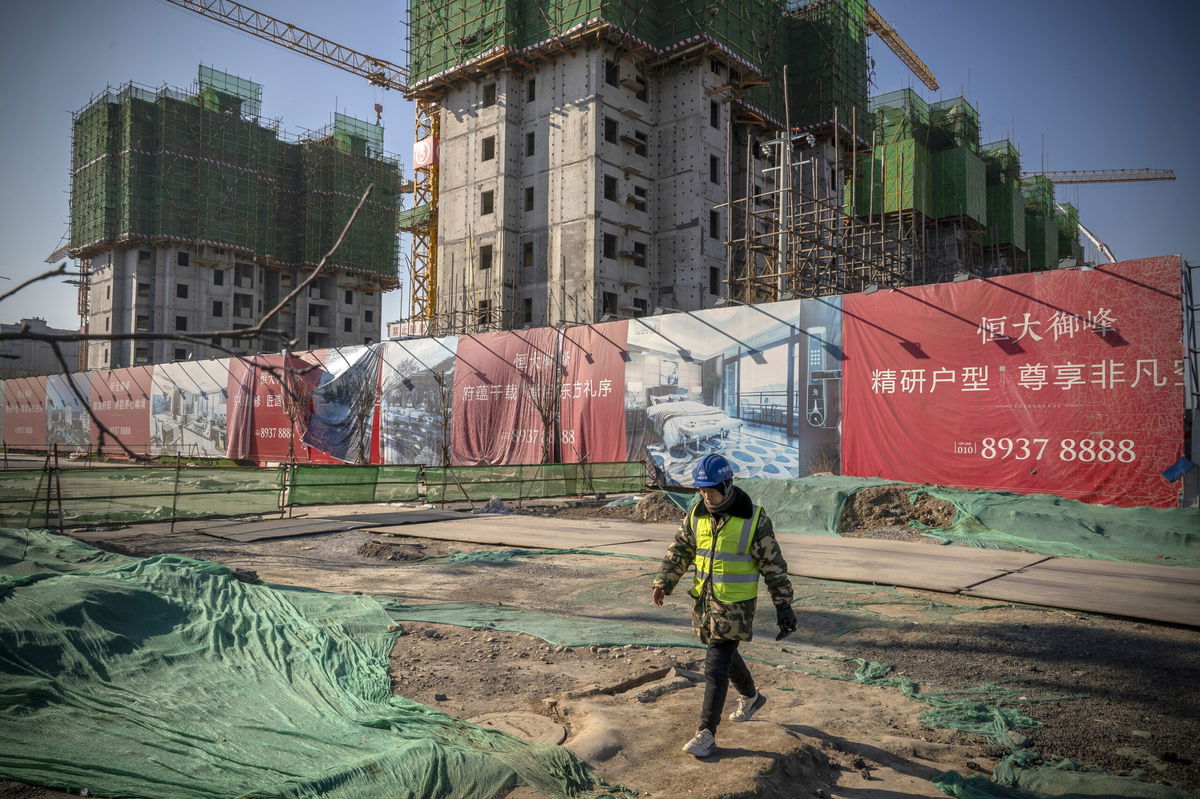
[{"x": 1112, "y": 694}]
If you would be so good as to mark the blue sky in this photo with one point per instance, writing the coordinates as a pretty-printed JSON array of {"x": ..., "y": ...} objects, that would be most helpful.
[{"x": 1078, "y": 84}]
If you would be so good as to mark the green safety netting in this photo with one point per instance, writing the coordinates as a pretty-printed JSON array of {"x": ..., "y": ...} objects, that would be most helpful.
[
  {"x": 168, "y": 678},
  {"x": 134, "y": 494},
  {"x": 341, "y": 485},
  {"x": 807, "y": 505},
  {"x": 1016, "y": 777},
  {"x": 480, "y": 483},
  {"x": 1052, "y": 525}
]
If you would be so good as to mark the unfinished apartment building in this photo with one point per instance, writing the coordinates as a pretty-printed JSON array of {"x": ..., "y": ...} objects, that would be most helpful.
[
  {"x": 607, "y": 158},
  {"x": 584, "y": 154},
  {"x": 191, "y": 215}
]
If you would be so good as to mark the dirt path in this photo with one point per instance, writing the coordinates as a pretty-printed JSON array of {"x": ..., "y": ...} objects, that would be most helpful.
[{"x": 1132, "y": 709}]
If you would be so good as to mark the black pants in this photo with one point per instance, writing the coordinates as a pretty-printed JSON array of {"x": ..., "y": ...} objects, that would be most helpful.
[{"x": 722, "y": 664}]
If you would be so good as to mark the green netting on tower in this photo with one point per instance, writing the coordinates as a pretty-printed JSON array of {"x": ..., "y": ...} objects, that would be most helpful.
[
  {"x": 825, "y": 50},
  {"x": 896, "y": 176},
  {"x": 481, "y": 483},
  {"x": 1066, "y": 220},
  {"x": 1005, "y": 203},
  {"x": 337, "y": 166},
  {"x": 954, "y": 123},
  {"x": 1038, "y": 191},
  {"x": 168, "y": 677},
  {"x": 899, "y": 116},
  {"x": 1041, "y": 240},
  {"x": 201, "y": 167},
  {"x": 959, "y": 185},
  {"x": 445, "y": 35},
  {"x": 228, "y": 91}
]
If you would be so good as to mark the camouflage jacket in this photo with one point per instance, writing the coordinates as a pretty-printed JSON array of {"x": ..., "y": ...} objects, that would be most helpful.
[{"x": 713, "y": 619}]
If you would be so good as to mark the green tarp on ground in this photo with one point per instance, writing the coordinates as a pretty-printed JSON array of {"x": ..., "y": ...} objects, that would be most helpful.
[
  {"x": 167, "y": 678},
  {"x": 1042, "y": 523},
  {"x": 806, "y": 505},
  {"x": 1052, "y": 525}
]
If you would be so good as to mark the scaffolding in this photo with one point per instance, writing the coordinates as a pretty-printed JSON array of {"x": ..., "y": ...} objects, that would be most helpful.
[
  {"x": 909, "y": 208},
  {"x": 163, "y": 166},
  {"x": 449, "y": 38},
  {"x": 826, "y": 43}
]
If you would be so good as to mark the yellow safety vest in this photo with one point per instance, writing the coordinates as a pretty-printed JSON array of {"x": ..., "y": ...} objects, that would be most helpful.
[{"x": 725, "y": 557}]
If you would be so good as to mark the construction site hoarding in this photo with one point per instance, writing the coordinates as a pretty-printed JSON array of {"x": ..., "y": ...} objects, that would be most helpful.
[
  {"x": 592, "y": 404},
  {"x": 416, "y": 392},
  {"x": 120, "y": 399},
  {"x": 959, "y": 185},
  {"x": 188, "y": 408},
  {"x": 761, "y": 385},
  {"x": 1065, "y": 382},
  {"x": 506, "y": 396},
  {"x": 67, "y": 420},
  {"x": 25, "y": 412},
  {"x": 268, "y": 401},
  {"x": 342, "y": 408}
]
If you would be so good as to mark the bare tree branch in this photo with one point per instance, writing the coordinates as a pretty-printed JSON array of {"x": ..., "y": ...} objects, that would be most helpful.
[
  {"x": 285, "y": 374},
  {"x": 61, "y": 270},
  {"x": 87, "y": 406},
  {"x": 240, "y": 333}
]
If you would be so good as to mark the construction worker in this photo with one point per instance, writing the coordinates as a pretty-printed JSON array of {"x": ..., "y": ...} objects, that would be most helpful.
[{"x": 730, "y": 542}]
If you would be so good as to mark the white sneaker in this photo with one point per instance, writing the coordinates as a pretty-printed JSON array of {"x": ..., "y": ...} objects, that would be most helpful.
[
  {"x": 702, "y": 745},
  {"x": 747, "y": 706}
]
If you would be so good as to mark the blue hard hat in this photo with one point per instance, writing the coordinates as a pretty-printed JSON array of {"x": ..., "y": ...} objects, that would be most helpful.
[{"x": 712, "y": 470}]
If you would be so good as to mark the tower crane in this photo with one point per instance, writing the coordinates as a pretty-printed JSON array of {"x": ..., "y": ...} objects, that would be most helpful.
[
  {"x": 1104, "y": 175},
  {"x": 380, "y": 72},
  {"x": 877, "y": 25}
]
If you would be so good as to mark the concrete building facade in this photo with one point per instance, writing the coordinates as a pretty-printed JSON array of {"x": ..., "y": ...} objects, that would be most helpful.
[
  {"x": 200, "y": 290},
  {"x": 588, "y": 186}
]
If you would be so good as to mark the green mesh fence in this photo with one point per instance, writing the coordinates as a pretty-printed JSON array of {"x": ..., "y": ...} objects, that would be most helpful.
[
  {"x": 480, "y": 483},
  {"x": 192, "y": 684},
  {"x": 91, "y": 496},
  {"x": 344, "y": 485}
]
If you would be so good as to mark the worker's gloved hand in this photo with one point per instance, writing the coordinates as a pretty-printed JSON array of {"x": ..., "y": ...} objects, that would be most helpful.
[{"x": 785, "y": 617}]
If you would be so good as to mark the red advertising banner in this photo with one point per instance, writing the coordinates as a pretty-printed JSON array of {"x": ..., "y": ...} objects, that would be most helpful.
[
  {"x": 25, "y": 412},
  {"x": 1066, "y": 382},
  {"x": 593, "y": 393},
  {"x": 506, "y": 395},
  {"x": 120, "y": 398},
  {"x": 260, "y": 428}
]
